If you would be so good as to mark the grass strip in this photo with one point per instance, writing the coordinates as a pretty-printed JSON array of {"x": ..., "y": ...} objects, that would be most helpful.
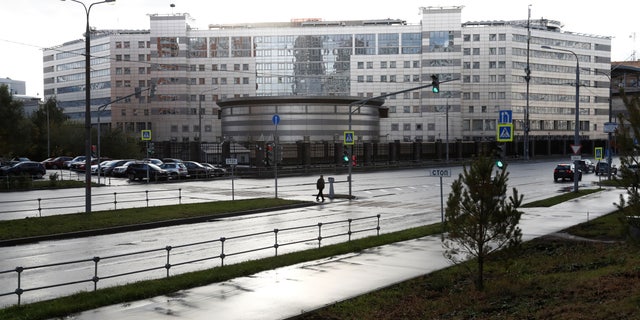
[
  {"x": 550, "y": 202},
  {"x": 66, "y": 223},
  {"x": 151, "y": 288}
]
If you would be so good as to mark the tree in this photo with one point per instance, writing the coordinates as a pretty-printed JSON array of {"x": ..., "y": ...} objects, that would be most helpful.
[
  {"x": 47, "y": 122},
  {"x": 628, "y": 148},
  {"x": 479, "y": 219},
  {"x": 15, "y": 129}
]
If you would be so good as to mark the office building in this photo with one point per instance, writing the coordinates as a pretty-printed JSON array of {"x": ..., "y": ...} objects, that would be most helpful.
[{"x": 481, "y": 66}]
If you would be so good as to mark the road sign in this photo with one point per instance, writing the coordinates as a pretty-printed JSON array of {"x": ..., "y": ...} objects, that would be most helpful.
[
  {"x": 232, "y": 161},
  {"x": 610, "y": 127},
  {"x": 505, "y": 132},
  {"x": 505, "y": 116},
  {"x": 146, "y": 135},
  {"x": 348, "y": 138},
  {"x": 275, "y": 119},
  {"x": 598, "y": 153},
  {"x": 440, "y": 172},
  {"x": 576, "y": 148}
]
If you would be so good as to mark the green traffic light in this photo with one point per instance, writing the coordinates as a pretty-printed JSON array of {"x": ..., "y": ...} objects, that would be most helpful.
[
  {"x": 435, "y": 89},
  {"x": 499, "y": 164}
]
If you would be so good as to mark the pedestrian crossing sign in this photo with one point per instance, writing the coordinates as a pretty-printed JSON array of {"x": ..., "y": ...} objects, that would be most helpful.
[
  {"x": 505, "y": 132},
  {"x": 146, "y": 135},
  {"x": 348, "y": 138}
]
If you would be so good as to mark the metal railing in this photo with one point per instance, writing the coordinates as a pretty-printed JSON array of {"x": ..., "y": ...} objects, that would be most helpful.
[
  {"x": 170, "y": 255},
  {"x": 100, "y": 199}
]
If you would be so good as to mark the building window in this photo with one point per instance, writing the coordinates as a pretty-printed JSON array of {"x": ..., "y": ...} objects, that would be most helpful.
[
  {"x": 369, "y": 64},
  {"x": 418, "y": 126},
  {"x": 470, "y": 109},
  {"x": 360, "y": 65},
  {"x": 406, "y": 127},
  {"x": 476, "y": 37},
  {"x": 395, "y": 127}
]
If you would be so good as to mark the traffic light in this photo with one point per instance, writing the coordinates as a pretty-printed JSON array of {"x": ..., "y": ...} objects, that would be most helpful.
[
  {"x": 152, "y": 93},
  {"x": 268, "y": 154},
  {"x": 435, "y": 84},
  {"x": 345, "y": 157},
  {"x": 354, "y": 160},
  {"x": 499, "y": 164},
  {"x": 497, "y": 153}
]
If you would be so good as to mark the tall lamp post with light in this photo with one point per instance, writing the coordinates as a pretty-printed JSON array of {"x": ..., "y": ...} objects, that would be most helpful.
[
  {"x": 576, "y": 135},
  {"x": 87, "y": 112}
]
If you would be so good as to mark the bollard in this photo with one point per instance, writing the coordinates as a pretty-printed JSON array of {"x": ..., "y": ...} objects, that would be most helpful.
[{"x": 331, "y": 194}]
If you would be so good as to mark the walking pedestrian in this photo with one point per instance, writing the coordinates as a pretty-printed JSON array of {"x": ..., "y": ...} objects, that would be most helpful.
[{"x": 320, "y": 187}]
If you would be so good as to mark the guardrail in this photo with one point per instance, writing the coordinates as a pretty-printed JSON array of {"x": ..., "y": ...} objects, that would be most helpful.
[
  {"x": 100, "y": 199},
  {"x": 170, "y": 255}
]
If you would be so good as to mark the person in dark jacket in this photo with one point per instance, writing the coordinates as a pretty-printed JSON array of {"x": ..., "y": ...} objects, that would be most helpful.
[{"x": 320, "y": 187}]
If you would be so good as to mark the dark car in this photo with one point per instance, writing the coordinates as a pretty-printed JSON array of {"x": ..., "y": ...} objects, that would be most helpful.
[
  {"x": 107, "y": 170},
  {"x": 31, "y": 168},
  {"x": 585, "y": 166},
  {"x": 197, "y": 170},
  {"x": 144, "y": 170},
  {"x": 216, "y": 171},
  {"x": 602, "y": 168},
  {"x": 565, "y": 171},
  {"x": 55, "y": 163}
]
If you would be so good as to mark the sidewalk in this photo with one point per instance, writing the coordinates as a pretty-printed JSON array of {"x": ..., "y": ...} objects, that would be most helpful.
[{"x": 292, "y": 290}]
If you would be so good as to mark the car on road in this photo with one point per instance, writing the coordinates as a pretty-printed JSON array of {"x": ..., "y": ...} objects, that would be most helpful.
[
  {"x": 565, "y": 171},
  {"x": 602, "y": 168},
  {"x": 585, "y": 166},
  {"x": 31, "y": 168},
  {"x": 55, "y": 163},
  {"x": 143, "y": 170},
  {"x": 177, "y": 170}
]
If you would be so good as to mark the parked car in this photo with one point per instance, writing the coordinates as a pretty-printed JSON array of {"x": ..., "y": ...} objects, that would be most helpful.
[
  {"x": 216, "y": 171},
  {"x": 144, "y": 170},
  {"x": 197, "y": 170},
  {"x": 17, "y": 160},
  {"x": 177, "y": 170},
  {"x": 602, "y": 168},
  {"x": 107, "y": 169},
  {"x": 121, "y": 171},
  {"x": 67, "y": 164},
  {"x": 565, "y": 171},
  {"x": 32, "y": 168},
  {"x": 55, "y": 163},
  {"x": 157, "y": 162}
]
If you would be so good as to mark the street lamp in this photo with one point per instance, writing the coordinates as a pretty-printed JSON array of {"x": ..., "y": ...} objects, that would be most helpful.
[
  {"x": 87, "y": 112},
  {"x": 576, "y": 137}
]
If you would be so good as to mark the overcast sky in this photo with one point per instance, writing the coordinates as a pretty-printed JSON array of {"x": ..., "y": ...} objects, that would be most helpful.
[{"x": 27, "y": 26}]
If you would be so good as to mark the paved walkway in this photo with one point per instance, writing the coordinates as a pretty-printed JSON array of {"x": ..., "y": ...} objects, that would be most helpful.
[{"x": 292, "y": 290}]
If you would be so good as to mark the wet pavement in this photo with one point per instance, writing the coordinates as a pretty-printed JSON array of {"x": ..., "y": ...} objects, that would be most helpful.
[{"x": 289, "y": 291}]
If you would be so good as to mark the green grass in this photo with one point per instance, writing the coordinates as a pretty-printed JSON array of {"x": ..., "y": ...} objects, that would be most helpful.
[
  {"x": 147, "y": 289},
  {"x": 49, "y": 225},
  {"x": 546, "y": 278},
  {"x": 549, "y": 202}
]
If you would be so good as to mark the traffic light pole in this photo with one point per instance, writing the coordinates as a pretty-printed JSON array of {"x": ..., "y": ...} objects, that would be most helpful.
[{"x": 435, "y": 84}]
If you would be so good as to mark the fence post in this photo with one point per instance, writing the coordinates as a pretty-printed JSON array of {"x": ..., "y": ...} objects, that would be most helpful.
[
  {"x": 378, "y": 226},
  {"x": 168, "y": 265},
  {"x": 180, "y": 196},
  {"x": 95, "y": 278},
  {"x": 115, "y": 202},
  {"x": 19, "y": 290},
  {"x": 39, "y": 207},
  {"x": 319, "y": 234},
  {"x": 275, "y": 245},
  {"x": 146, "y": 195},
  {"x": 349, "y": 232},
  {"x": 222, "y": 255}
]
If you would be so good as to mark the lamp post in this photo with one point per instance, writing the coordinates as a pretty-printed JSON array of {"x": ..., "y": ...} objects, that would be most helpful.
[
  {"x": 87, "y": 112},
  {"x": 576, "y": 137}
]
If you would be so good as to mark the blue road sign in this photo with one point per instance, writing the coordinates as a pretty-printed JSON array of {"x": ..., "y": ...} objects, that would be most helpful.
[
  {"x": 146, "y": 135},
  {"x": 505, "y": 116},
  {"x": 348, "y": 137},
  {"x": 275, "y": 119}
]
